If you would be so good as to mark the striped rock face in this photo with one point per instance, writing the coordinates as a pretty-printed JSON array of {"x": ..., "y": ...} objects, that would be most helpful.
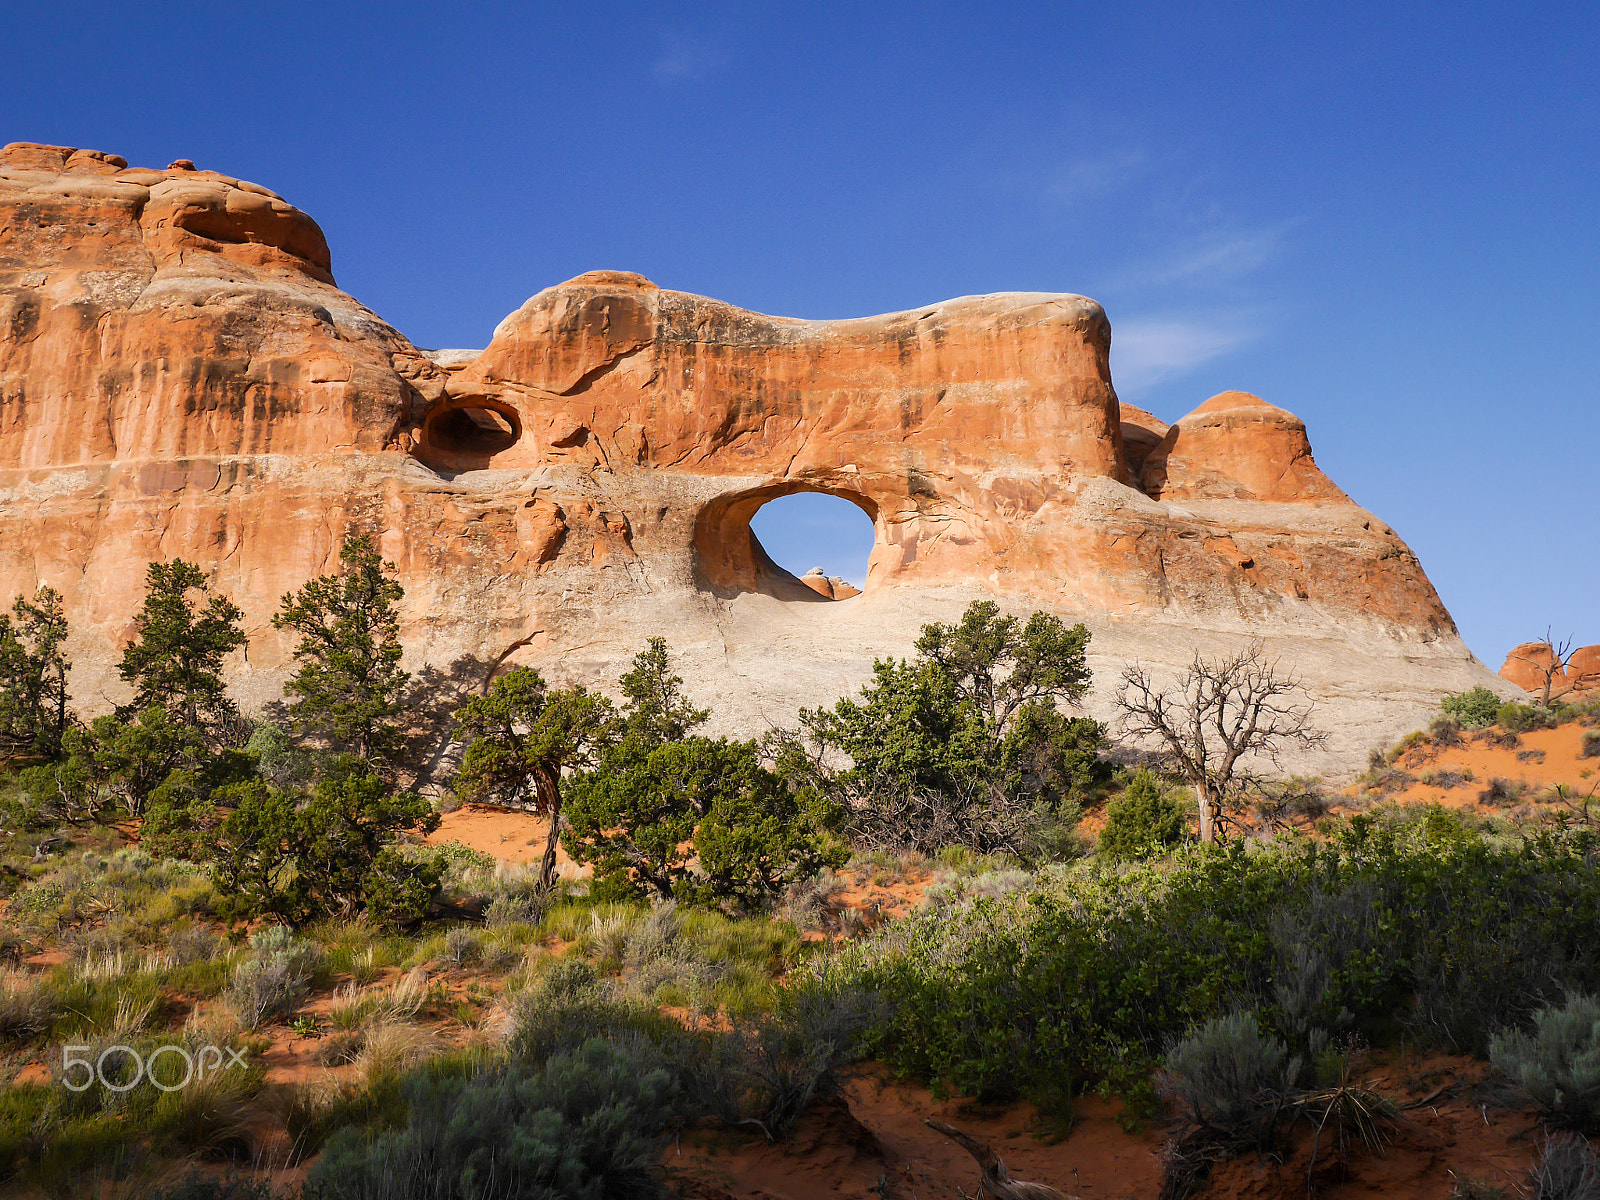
[{"x": 181, "y": 377}]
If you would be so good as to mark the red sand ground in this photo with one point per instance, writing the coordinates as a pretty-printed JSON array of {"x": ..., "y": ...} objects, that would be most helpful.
[
  {"x": 1547, "y": 757},
  {"x": 872, "y": 1142},
  {"x": 503, "y": 833}
]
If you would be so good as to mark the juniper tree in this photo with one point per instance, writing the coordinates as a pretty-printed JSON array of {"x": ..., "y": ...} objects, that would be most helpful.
[
  {"x": 701, "y": 820},
  {"x": 329, "y": 854},
  {"x": 691, "y": 818},
  {"x": 181, "y": 635},
  {"x": 522, "y": 737},
  {"x": 1143, "y": 822},
  {"x": 656, "y": 711},
  {"x": 965, "y": 744},
  {"x": 349, "y": 684},
  {"x": 34, "y": 713}
]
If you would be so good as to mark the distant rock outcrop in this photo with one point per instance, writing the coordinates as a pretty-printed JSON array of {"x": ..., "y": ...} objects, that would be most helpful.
[
  {"x": 1529, "y": 665},
  {"x": 179, "y": 375}
]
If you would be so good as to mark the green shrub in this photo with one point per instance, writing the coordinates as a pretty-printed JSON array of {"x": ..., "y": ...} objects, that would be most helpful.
[
  {"x": 566, "y": 1007},
  {"x": 34, "y": 709},
  {"x": 1591, "y": 744},
  {"x": 281, "y": 762},
  {"x": 305, "y": 859},
  {"x": 698, "y": 820},
  {"x": 1473, "y": 709},
  {"x": 966, "y": 744},
  {"x": 768, "y": 1066},
  {"x": 1409, "y": 919},
  {"x": 1524, "y": 718},
  {"x": 1229, "y": 1078},
  {"x": 272, "y": 981},
  {"x": 1558, "y": 1063},
  {"x": 589, "y": 1123},
  {"x": 1143, "y": 822}
]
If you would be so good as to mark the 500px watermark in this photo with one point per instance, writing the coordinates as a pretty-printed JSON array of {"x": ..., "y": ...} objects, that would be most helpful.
[{"x": 203, "y": 1061}]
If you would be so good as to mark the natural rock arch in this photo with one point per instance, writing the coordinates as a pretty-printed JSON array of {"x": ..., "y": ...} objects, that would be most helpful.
[
  {"x": 729, "y": 558},
  {"x": 180, "y": 376}
]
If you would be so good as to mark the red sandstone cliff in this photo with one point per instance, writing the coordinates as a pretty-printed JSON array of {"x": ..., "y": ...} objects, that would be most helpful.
[
  {"x": 1530, "y": 664},
  {"x": 179, "y": 375}
]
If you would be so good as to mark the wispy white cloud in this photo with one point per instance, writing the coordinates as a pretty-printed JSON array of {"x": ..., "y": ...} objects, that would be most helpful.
[
  {"x": 1221, "y": 258},
  {"x": 684, "y": 58},
  {"x": 1215, "y": 257},
  {"x": 1093, "y": 176},
  {"x": 1146, "y": 351}
]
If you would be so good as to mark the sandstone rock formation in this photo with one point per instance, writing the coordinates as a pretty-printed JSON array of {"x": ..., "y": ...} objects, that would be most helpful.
[
  {"x": 179, "y": 375},
  {"x": 1529, "y": 664},
  {"x": 832, "y": 587}
]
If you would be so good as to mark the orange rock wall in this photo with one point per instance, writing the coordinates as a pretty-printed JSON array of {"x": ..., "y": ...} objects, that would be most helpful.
[
  {"x": 179, "y": 375},
  {"x": 1529, "y": 664}
]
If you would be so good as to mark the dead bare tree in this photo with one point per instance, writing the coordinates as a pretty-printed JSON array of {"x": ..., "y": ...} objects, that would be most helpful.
[
  {"x": 1552, "y": 669},
  {"x": 1215, "y": 715}
]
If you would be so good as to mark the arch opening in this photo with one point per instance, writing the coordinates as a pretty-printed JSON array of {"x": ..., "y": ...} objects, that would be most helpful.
[
  {"x": 822, "y": 539},
  {"x": 774, "y": 539}
]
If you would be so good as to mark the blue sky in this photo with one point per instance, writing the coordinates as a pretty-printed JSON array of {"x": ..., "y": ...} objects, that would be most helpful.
[{"x": 1381, "y": 217}]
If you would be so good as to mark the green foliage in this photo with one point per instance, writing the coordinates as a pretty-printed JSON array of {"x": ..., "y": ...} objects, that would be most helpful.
[
  {"x": 656, "y": 711},
  {"x": 274, "y": 979},
  {"x": 522, "y": 736},
  {"x": 34, "y": 710},
  {"x": 1474, "y": 709},
  {"x": 567, "y": 1006},
  {"x": 1225, "y": 1076},
  {"x": 326, "y": 855},
  {"x": 1558, "y": 1063},
  {"x": 674, "y": 815},
  {"x": 697, "y": 819},
  {"x": 175, "y": 659},
  {"x": 1143, "y": 822},
  {"x": 348, "y": 688},
  {"x": 181, "y": 816},
  {"x": 766, "y": 1068},
  {"x": 586, "y": 1124},
  {"x": 1087, "y": 975},
  {"x": 279, "y": 760},
  {"x": 1524, "y": 718},
  {"x": 251, "y": 849},
  {"x": 168, "y": 745},
  {"x": 1001, "y": 666},
  {"x": 962, "y": 745},
  {"x": 135, "y": 753}
]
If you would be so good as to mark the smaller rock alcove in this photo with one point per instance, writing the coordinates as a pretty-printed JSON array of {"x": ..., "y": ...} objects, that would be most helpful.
[
  {"x": 468, "y": 435},
  {"x": 800, "y": 529}
]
